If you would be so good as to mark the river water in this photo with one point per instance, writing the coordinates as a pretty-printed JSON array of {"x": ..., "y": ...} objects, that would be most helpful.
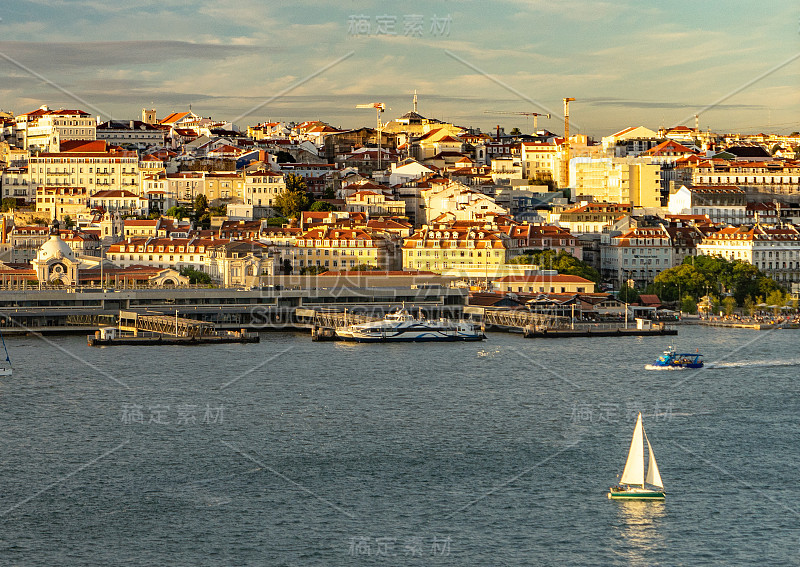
[{"x": 290, "y": 452}]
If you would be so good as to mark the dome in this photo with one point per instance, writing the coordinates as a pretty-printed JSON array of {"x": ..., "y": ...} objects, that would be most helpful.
[{"x": 54, "y": 248}]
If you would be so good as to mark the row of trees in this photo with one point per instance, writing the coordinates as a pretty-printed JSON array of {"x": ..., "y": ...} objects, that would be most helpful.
[
  {"x": 700, "y": 275},
  {"x": 562, "y": 261}
]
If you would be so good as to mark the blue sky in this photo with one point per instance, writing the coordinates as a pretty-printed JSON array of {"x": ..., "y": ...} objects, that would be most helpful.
[{"x": 627, "y": 63}]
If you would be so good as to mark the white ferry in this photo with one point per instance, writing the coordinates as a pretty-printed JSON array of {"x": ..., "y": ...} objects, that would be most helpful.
[{"x": 401, "y": 326}]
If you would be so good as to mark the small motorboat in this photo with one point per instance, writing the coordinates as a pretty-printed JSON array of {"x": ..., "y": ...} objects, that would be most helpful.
[{"x": 674, "y": 359}]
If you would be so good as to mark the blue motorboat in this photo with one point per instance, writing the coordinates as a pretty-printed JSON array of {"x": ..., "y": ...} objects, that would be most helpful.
[{"x": 674, "y": 359}]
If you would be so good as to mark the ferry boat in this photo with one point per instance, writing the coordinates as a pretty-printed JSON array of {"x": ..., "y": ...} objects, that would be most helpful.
[
  {"x": 673, "y": 359},
  {"x": 401, "y": 326}
]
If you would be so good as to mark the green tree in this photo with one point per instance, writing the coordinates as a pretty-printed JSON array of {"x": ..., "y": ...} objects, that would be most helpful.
[
  {"x": 776, "y": 299},
  {"x": 195, "y": 276},
  {"x": 516, "y": 131},
  {"x": 322, "y": 206},
  {"x": 543, "y": 179},
  {"x": 563, "y": 262},
  {"x": 749, "y": 306},
  {"x": 364, "y": 268},
  {"x": 688, "y": 304},
  {"x": 200, "y": 204},
  {"x": 177, "y": 212},
  {"x": 728, "y": 305},
  {"x": 68, "y": 222},
  {"x": 9, "y": 204},
  {"x": 628, "y": 294},
  {"x": 295, "y": 198},
  {"x": 312, "y": 270}
]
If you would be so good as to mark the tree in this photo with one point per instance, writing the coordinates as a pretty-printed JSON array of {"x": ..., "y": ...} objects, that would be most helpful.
[
  {"x": 543, "y": 179},
  {"x": 688, "y": 304},
  {"x": 312, "y": 270},
  {"x": 776, "y": 300},
  {"x": 628, "y": 294},
  {"x": 563, "y": 262},
  {"x": 750, "y": 306},
  {"x": 200, "y": 204},
  {"x": 364, "y": 268},
  {"x": 9, "y": 204},
  {"x": 195, "y": 276},
  {"x": 287, "y": 267},
  {"x": 515, "y": 131},
  {"x": 728, "y": 305},
  {"x": 295, "y": 198},
  {"x": 68, "y": 222},
  {"x": 177, "y": 212},
  {"x": 322, "y": 206}
]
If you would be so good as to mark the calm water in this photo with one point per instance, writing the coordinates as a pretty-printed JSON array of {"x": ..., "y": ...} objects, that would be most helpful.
[{"x": 298, "y": 453}]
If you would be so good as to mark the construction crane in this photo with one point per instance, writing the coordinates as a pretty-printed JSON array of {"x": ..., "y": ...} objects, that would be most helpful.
[
  {"x": 565, "y": 161},
  {"x": 535, "y": 115},
  {"x": 379, "y": 107}
]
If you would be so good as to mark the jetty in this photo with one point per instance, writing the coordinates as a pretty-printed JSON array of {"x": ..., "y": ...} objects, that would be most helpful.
[{"x": 152, "y": 328}]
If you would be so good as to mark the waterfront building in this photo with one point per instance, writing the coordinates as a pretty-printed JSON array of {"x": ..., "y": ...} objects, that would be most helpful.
[
  {"x": 334, "y": 248},
  {"x": 774, "y": 251},
  {"x": 163, "y": 252},
  {"x": 240, "y": 263},
  {"x": 443, "y": 247},
  {"x": 544, "y": 283}
]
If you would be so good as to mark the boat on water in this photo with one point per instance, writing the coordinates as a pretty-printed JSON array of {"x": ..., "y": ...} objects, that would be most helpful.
[
  {"x": 5, "y": 366},
  {"x": 634, "y": 482},
  {"x": 677, "y": 360},
  {"x": 401, "y": 326}
]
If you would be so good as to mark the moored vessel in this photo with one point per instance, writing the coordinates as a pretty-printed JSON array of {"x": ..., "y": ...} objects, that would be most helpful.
[{"x": 401, "y": 326}]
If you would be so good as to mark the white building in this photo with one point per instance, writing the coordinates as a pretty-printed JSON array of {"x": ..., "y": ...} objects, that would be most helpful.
[
  {"x": 721, "y": 203},
  {"x": 774, "y": 251}
]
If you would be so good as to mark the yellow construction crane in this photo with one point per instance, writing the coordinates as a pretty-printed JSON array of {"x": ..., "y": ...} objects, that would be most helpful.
[
  {"x": 535, "y": 115},
  {"x": 565, "y": 159},
  {"x": 379, "y": 108}
]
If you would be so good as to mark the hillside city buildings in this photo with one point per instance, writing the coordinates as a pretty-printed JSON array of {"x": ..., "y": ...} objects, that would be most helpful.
[{"x": 420, "y": 195}]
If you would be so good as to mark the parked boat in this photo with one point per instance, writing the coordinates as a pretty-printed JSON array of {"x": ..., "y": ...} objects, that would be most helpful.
[
  {"x": 633, "y": 484},
  {"x": 672, "y": 359},
  {"x": 5, "y": 366},
  {"x": 401, "y": 326}
]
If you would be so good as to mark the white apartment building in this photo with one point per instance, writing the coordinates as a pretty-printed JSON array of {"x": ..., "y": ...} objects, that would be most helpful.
[
  {"x": 722, "y": 203},
  {"x": 774, "y": 251},
  {"x": 45, "y": 129}
]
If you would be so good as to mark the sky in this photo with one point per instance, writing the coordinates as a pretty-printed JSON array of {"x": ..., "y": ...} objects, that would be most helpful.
[{"x": 627, "y": 63}]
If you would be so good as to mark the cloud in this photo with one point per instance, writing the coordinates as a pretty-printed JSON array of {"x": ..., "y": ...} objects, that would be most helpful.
[{"x": 41, "y": 56}]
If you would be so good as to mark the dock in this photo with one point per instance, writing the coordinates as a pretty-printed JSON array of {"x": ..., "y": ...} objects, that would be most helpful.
[{"x": 153, "y": 328}]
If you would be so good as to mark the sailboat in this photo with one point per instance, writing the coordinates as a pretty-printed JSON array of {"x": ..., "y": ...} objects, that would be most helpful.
[
  {"x": 5, "y": 366},
  {"x": 634, "y": 484}
]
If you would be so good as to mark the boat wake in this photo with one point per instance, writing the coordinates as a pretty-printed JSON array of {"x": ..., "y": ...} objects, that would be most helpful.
[
  {"x": 655, "y": 367},
  {"x": 753, "y": 364}
]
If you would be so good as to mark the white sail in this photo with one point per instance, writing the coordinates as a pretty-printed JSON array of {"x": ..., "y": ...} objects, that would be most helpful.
[
  {"x": 653, "y": 476},
  {"x": 634, "y": 466}
]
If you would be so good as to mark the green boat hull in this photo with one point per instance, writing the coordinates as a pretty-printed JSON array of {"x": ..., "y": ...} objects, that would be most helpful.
[{"x": 625, "y": 495}]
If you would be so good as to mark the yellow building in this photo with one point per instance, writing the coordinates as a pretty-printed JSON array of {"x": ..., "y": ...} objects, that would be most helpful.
[
  {"x": 610, "y": 180},
  {"x": 447, "y": 247},
  {"x": 333, "y": 248}
]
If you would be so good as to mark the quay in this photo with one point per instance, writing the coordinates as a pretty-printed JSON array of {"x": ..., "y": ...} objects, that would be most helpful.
[{"x": 153, "y": 328}]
